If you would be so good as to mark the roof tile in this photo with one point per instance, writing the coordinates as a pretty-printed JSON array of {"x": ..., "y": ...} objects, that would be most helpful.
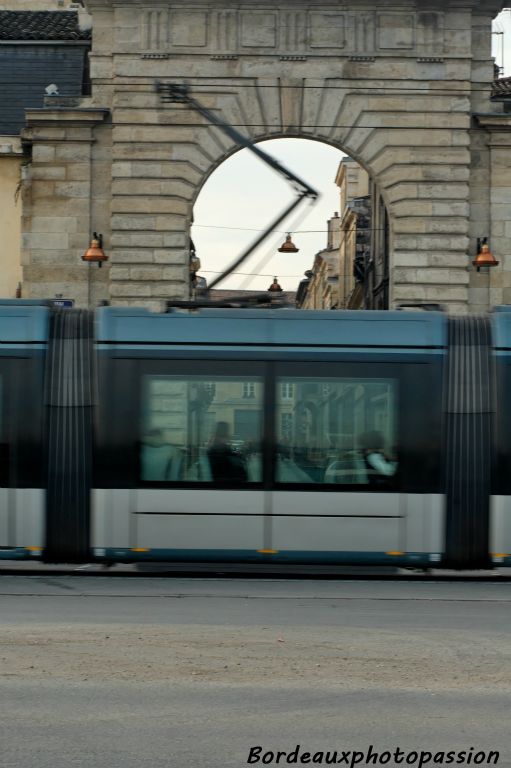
[
  {"x": 501, "y": 88},
  {"x": 41, "y": 25}
]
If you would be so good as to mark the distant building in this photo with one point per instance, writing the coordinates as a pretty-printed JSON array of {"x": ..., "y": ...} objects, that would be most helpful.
[
  {"x": 376, "y": 278},
  {"x": 353, "y": 183},
  {"x": 352, "y": 272},
  {"x": 320, "y": 289}
]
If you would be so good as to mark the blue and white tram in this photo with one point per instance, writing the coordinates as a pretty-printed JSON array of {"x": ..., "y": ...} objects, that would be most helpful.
[
  {"x": 254, "y": 436},
  {"x": 298, "y": 393}
]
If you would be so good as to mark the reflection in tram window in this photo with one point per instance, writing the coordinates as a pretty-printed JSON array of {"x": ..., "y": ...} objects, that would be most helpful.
[
  {"x": 198, "y": 429},
  {"x": 336, "y": 431},
  {"x": 159, "y": 460}
]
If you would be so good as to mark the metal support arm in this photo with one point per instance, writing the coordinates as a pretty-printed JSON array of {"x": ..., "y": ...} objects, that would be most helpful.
[{"x": 180, "y": 94}]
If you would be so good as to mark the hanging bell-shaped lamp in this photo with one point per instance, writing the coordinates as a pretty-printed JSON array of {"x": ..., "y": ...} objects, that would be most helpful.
[
  {"x": 195, "y": 264},
  {"x": 485, "y": 257},
  {"x": 275, "y": 287},
  {"x": 288, "y": 246},
  {"x": 95, "y": 252}
]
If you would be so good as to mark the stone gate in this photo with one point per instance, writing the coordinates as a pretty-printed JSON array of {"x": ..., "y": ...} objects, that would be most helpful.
[{"x": 403, "y": 86}]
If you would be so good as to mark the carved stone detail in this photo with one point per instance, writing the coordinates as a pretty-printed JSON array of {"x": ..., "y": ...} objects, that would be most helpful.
[
  {"x": 430, "y": 33},
  {"x": 327, "y": 29},
  {"x": 155, "y": 56},
  {"x": 188, "y": 29},
  {"x": 364, "y": 28},
  {"x": 258, "y": 29},
  {"x": 294, "y": 31},
  {"x": 396, "y": 31}
]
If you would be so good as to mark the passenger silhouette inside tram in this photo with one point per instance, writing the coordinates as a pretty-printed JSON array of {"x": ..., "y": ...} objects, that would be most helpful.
[
  {"x": 226, "y": 463},
  {"x": 380, "y": 467}
]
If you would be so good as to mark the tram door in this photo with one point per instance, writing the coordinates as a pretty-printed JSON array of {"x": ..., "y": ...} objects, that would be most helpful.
[
  {"x": 195, "y": 461},
  {"x": 357, "y": 475}
]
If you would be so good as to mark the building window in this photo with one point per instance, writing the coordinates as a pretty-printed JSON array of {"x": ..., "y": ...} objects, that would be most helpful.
[
  {"x": 286, "y": 390},
  {"x": 248, "y": 389}
]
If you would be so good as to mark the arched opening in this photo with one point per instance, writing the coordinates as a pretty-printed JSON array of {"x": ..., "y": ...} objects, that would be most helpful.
[{"x": 342, "y": 239}]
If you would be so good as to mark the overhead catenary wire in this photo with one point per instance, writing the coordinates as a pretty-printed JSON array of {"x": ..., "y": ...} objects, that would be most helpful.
[
  {"x": 253, "y": 275},
  {"x": 300, "y": 216},
  {"x": 302, "y": 127},
  {"x": 288, "y": 229},
  {"x": 236, "y": 85},
  {"x": 249, "y": 274},
  {"x": 354, "y": 89}
]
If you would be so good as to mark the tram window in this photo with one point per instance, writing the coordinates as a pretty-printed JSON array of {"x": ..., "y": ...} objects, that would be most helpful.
[
  {"x": 201, "y": 430},
  {"x": 340, "y": 431}
]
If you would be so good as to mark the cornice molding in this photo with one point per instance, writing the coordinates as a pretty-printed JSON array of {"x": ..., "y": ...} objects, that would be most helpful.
[
  {"x": 59, "y": 116},
  {"x": 492, "y": 6}
]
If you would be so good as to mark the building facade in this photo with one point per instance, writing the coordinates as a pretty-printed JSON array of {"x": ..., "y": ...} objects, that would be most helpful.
[
  {"x": 355, "y": 190},
  {"x": 320, "y": 289},
  {"x": 406, "y": 89},
  {"x": 43, "y": 46},
  {"x": 343, "y": 274}
]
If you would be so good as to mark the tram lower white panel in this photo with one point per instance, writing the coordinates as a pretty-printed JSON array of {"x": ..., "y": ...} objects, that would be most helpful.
[
  {"x": 22, "y": 517},
  {"x": 178, "y": 519},
  {"x": 335, "y": 534},
  {"x": 358, "y": 522},
  {"x": 424, "y": 522},
  {"x": 219, "y": 532},
  {"x": 321, "y": 503},
  {"x": 251, "y": 520},
  {"x": 500, "y": 525},
  {"x": 329, "y": 522},
  {"x": 111, "y": 515}
]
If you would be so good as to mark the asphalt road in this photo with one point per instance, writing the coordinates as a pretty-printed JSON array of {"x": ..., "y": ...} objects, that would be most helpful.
[{"x": 196, "y": 672}]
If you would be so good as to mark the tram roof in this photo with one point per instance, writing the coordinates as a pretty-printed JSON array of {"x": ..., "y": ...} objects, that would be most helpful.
[
  {"x": 23, "y": 323},
  {"x": 501, "y": 322},
  {"x": 279, "y": 327}
]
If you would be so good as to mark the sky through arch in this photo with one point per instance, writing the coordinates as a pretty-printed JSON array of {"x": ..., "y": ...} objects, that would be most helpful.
[{"x": 243, "y": 195}]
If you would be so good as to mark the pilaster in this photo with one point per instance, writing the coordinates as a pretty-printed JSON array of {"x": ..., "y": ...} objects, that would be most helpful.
[
  {"x": 498, "y": 131},
  {"x": 60, "y": 196}
]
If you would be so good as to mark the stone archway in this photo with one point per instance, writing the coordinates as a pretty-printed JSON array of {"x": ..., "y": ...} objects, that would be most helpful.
[{"x": 394, "y": 86}]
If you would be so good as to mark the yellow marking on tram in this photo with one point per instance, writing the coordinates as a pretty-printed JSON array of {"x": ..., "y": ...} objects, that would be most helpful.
[
  {"x": 268, "y": 551},
  {"x": 34, "y": 549},
  {"x": 499, "y": 554},
  {"x": 394, "y": 553},
  {"x": 140, "y": 549}
]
